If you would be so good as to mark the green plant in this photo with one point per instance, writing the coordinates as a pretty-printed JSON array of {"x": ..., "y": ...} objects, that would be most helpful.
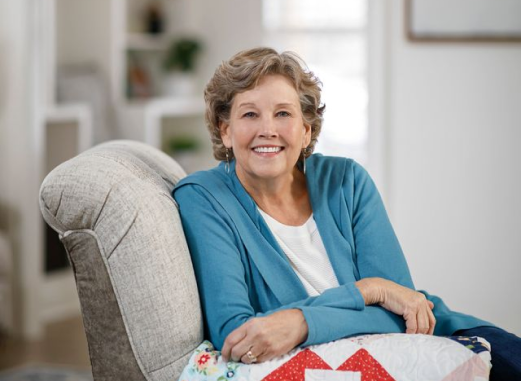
[
  {"x": 183, "y": 144},
  {"x": 182, "y": 55}
]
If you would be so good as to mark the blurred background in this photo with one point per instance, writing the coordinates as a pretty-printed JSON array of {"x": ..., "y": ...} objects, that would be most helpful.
[{"x": 426, "y": 94}]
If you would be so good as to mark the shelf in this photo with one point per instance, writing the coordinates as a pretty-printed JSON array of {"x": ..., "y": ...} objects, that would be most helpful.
[
  {"x": 147, "y": 42},
  {"x": 77, "y": 113},
  {"x": 159, "y": 108}
]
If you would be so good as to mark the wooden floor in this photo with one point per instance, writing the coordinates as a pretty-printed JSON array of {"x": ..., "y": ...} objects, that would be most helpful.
[{"x": 64, "y": 343}]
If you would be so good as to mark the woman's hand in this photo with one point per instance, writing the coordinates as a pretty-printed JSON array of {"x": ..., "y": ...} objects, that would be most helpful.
[
  {"x": 412, "y": 305},
  {"x": 266, "y": 337}
]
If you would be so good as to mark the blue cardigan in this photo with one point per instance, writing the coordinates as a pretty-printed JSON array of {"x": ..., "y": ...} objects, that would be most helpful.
[{"x": 242, "y": 272}]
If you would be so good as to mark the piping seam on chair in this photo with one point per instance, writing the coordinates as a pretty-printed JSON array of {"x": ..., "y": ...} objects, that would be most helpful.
[
  {"x": 49, "y": 216},
  {"x": 123, "y": 235},
  {"x": 102, "y": 207},
  {"x": 59, "y": 204},
  {"x": 169, "y": 197}
]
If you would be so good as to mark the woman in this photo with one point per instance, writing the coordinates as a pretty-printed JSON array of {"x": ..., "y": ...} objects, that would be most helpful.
[{"x": 292, "y": 248}]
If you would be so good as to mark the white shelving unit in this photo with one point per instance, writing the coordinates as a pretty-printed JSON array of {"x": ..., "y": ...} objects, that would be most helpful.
[
  {"x": 158, "y": 109},
  {"x": 75, "y": 114},
  {"x": 159, "y": 117},
  {"x": 146, "y": 42},
  {"x": 135, "y": 49}
]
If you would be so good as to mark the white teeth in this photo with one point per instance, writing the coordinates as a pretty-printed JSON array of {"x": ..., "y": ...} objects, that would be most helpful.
[{"x": 267, "y": 149}]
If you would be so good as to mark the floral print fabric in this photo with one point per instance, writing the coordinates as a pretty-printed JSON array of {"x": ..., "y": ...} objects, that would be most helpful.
[{"x": 206, "y": 364}]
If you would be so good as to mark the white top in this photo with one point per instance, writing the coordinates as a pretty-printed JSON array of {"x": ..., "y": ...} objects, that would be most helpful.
[{"x": 306, "y": 252}]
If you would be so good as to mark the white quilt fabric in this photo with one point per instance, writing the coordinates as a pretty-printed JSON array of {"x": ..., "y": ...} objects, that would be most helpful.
[{"x": 386, "y": 357}]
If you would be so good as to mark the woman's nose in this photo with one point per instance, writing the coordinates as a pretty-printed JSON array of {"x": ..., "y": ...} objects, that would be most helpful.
[{"x": 268, "y": 129}]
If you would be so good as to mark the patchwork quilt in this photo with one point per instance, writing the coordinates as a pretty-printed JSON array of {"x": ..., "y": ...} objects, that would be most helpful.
[{"x": 386, "y": 357}]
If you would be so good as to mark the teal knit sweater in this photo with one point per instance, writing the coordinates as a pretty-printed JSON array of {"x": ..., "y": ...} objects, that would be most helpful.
[{"x": 243, "y": 273}]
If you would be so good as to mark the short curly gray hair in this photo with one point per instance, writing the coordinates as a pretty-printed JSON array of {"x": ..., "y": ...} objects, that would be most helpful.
[{"x": 243, "y": 72}]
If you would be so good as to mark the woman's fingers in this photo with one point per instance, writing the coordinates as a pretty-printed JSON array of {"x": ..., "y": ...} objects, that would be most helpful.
[
  {"x": 429, "y": 319},
  {"x": 432, "y": 319},
  {"x": 423, "y": 320},
  {"x": 411, "y": 322},
  {"x": 253, "y": 355},
  {"x": 411, "y": 326},
  {"x": 432, "y": 323},
  {"x": 240, "y": 350},
  {"x": 240, "y": 343},
  {"x": 231, "y": 341},
  {"x": 248, "y": 357},
  {"x": 238, "y": 346}
]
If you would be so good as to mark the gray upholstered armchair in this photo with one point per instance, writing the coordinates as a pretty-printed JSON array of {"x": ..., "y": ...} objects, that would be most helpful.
[{"x": 113, "y": 211}]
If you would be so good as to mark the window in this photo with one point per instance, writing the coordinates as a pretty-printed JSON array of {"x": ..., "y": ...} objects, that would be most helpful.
[{"x": 331, "y": 36}]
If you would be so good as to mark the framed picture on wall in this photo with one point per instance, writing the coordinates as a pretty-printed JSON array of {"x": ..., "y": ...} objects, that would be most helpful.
[{"x": 463, "y": 20}]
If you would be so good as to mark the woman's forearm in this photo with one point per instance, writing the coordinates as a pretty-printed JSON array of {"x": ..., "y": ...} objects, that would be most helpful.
[
  {"x": 413, "y": 306},
  {"x": 371, "y": 290}
]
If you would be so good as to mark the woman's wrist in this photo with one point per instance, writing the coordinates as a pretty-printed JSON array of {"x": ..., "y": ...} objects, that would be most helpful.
[
  {"x": 303, "y": 326},
  {"x": 371, "y": 290}
]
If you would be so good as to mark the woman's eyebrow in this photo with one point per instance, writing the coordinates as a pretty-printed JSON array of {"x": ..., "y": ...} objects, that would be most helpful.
[
  {"x": 251, "y": 104},
  {"x": 246, "y": 104},
  {"x": 285, "y": 105}
]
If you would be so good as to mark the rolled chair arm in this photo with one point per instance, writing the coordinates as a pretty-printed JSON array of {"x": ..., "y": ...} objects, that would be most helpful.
[{"x": 113, "y": 211}]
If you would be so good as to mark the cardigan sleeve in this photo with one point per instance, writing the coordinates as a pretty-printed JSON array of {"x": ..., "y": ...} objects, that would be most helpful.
[
  {"x": 378, "y": 252},
  {"x": 216, "y": 247}
]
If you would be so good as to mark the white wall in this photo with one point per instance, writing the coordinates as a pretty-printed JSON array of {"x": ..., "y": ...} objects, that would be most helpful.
[
  {"x": 454, "y": 169},
  {"x": 83, "y": 33},
  {"x": 19, "y": 165},
  {"x": 4, "y": 78},
  {"x": 229, "y": 26}
]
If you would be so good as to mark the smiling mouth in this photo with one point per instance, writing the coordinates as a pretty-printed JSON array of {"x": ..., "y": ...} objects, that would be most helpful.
[{"x": 268, "y": 149}]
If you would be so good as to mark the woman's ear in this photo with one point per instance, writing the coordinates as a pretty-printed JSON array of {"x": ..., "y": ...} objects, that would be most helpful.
[
  {"x": 307, "y": 135},
  {"x": 224, "y": 128}
]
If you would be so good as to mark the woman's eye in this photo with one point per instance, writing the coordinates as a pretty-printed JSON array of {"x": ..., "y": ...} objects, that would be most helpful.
[
  {"x": 283, "y": 113},
  {"x": 250, "y": 114}
]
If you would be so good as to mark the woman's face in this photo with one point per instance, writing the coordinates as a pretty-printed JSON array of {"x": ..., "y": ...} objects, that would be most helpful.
[{"x": 266, "y": 130}]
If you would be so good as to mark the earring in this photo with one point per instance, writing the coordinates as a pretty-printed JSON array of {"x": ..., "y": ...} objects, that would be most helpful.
[
  {"x": 304, "y": 161},
  {"x": 227, "y": 165}
]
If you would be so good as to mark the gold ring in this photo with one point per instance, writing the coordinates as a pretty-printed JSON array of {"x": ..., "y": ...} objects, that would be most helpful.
[{"x": 251, "y": 357}]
